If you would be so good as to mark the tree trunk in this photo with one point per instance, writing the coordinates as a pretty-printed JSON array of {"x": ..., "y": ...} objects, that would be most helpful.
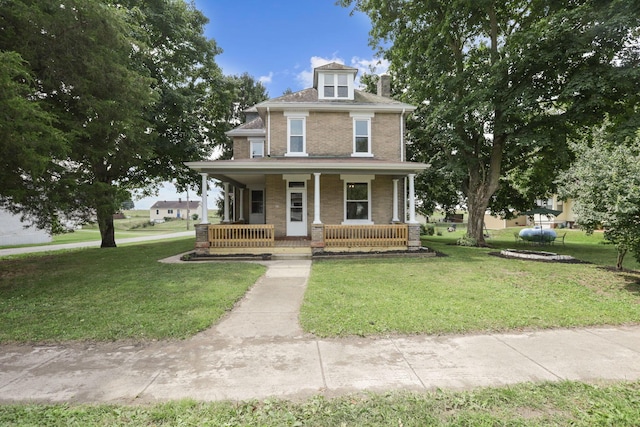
[
  {"x": 622, "y": 251},
  {"x": 107, "y": 230},
  {"x": 478, "y": 201}
]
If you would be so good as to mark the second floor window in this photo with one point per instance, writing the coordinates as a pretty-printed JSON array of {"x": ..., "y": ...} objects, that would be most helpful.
[
  {"x": 362, "y": 134},
  {"x": 296, "y": 134},
  {"x": 257, "y": 149}
]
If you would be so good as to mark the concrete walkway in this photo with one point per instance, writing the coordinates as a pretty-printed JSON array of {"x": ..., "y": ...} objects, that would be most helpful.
[
  {"x": 93, "y": 243},
  {"x": 259, "y": 351}
]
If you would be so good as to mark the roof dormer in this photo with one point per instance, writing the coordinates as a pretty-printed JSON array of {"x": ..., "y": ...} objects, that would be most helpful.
[{"x": 334, "y": 81}]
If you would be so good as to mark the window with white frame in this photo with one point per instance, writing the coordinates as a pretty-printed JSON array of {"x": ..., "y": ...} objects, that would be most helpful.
[
  {"x": 336, "y": 86},
  {"x": 257, "y": 148},
  {"x": 357, "y": 199},
  {"x": 296, "y": 134},
  {"x": 362, "y": 135}
]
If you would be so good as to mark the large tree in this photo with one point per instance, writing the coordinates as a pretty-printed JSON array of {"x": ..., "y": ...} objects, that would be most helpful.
[
  {"x": 500, "y": 86},
  {"x": 604, "y": 183},
  {"x": 131, "y": 85}
]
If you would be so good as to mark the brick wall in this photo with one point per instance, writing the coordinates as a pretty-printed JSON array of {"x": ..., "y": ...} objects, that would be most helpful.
[
  {"x": 331, "y": 134},
  {"x": 240, "y": 147}
]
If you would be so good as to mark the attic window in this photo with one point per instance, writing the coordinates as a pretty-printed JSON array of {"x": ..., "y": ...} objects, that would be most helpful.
[{"x": 336, "y": 86}]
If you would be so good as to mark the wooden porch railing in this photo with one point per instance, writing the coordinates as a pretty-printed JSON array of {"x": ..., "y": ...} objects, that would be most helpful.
[
  {"x": 366, "y": 235},
  {"x": 241, "y": 235}
]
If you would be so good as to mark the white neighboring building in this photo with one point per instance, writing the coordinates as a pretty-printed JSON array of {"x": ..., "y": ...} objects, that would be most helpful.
[
  {"x": 13, "y": 231},
  {"x": 173, "y": 209}
]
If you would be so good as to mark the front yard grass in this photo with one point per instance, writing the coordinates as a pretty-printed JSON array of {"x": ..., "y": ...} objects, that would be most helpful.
[
  {"x": 468, "y": 291},
  {"x": 547, "y": 404},
  {"x": 116, "y": 293}
]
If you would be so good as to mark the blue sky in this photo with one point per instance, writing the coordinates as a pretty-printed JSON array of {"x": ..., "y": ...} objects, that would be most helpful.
[{"x": 279, "y": 42}]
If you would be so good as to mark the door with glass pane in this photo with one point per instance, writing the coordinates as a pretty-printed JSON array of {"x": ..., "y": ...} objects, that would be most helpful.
[
  {"x": 256, "y": 209},
  {"x": 296, "y": 208}
]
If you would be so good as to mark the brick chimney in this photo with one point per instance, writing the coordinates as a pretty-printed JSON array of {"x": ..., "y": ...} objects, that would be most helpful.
[{"x": 384, "y": 85}]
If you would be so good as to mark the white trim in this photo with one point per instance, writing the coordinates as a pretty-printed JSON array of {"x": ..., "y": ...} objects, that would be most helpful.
[
  {"x": 316, "y": 198},
  {"x": 298, "y": 228},
  {"x": 357, "y": 179},
  {"x": 256, "y": 141},
  {"x": 335, "y": 73},
  {"x": 297, "y": 115},
  {"x": 268, "y": 132},
  {"x": 205, "y": 213},
  {"x": 275, "y": 167},
  {"x": 362, "y": 117},
  {"x": 402, "y": 148}
]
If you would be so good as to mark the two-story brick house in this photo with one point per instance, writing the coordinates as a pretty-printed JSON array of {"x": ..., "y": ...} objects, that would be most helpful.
[{"x": 325, "y": 164}]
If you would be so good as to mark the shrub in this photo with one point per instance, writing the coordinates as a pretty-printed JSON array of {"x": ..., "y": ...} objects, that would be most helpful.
[
  {"x": 467, "y": 240},
  {"x": 427, "y": 229}
]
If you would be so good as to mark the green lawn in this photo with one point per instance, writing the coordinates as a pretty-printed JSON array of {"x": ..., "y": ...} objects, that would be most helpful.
[
  {"x": 116, "y": 293},
  {"x": 469, "y": 291},
  {"x": 547, "y": 404}
]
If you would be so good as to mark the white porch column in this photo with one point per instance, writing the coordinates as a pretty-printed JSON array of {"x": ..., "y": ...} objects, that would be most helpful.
[
  {"x": 412, "y": 199},
  {"x": 395, "y": 201},
  {"x": 316, "y": 199},
  {"x": 240, "y": 205},
  {"x": 205, "y": 213},
  {"x": 226, "y": 202}
]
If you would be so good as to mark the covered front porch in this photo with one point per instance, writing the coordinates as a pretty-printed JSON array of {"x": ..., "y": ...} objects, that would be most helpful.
[{"x": 308, "y": 207}]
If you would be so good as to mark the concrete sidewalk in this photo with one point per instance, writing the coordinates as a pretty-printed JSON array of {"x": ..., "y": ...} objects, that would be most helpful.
[
  {"x": 259, "y": 351},
  {"x": 93, "y": 243}
]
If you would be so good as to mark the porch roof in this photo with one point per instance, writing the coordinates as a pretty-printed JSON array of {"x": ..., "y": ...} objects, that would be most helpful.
[{"x": 247, "y": 171}]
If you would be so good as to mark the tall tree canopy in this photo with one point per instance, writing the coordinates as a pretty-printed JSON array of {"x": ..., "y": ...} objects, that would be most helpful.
[
  {"x": 500, "y": 87},
  {"x": 131, "y": 88}
]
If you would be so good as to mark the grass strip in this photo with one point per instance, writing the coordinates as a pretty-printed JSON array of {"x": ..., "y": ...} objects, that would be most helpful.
[{"x": 557, "y": 404}]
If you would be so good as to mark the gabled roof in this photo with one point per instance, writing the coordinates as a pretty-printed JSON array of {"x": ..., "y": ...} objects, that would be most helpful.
[
  {"x": 308, "y": 99},
  {"x": 176, "y": 204},
  {"x": 333, "y": 66}
]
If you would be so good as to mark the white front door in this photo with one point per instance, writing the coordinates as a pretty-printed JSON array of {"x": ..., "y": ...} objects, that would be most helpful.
[{"x": 296, "y": 208}]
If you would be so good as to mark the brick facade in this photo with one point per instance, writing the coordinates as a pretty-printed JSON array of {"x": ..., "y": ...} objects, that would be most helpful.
[{"x": 331, "y": 134}]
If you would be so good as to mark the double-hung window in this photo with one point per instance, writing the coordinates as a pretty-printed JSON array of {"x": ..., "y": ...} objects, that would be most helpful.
[
  {"x": 336, "y": 86},
  {"x": 296, "y": 134},
  {"x": 357, "y": 199},
  {"x": 362, "y": 135}
]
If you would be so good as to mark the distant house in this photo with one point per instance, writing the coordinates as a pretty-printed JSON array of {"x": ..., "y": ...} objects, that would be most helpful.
[
  {"x": 14, "y": 232},
  {"x": 173, "y": 209}
]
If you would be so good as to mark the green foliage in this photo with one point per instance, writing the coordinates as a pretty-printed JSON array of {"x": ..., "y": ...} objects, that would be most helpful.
[
  {"x": 501, "y": 86},
  {"x": 427, "y": 229},
  {"x": 467, "y": 240},
  {"x": 604, "y": 182},
  {"x": 133, "y": 89}
]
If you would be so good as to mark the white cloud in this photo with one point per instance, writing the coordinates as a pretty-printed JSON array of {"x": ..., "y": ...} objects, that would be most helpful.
[{"x": 265, "y": 80}]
